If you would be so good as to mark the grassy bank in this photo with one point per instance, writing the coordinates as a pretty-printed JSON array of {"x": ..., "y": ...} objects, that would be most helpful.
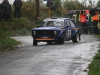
[
  {"x": 16, "y": 27},
  {"x": 7, "y": 43},
  {"x": 94, "y": 67}
]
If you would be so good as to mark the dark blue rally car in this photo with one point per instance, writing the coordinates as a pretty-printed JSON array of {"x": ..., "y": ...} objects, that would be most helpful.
[{"x": 56, "y": 30}]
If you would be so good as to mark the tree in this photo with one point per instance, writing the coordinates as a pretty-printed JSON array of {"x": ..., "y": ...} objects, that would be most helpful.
[
  {"x": 90, "y": 3},
  {"x": 74, "y": 5},
  {"x": 71, "y": 5},
  {"x": 58, "y": 7},
  {"x": 98, "y": 3},
  {"x": 37, "y": 9}
]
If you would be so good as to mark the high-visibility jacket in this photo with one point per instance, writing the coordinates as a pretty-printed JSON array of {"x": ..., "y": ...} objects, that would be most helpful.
[
  {"x": 77, "y": 18},
  {"x": 82, "y": 18},
  {"x": 98, "y": 25},
  {"x": 89, "y": 17},
  {"x": 99, "y": 21},
  {"x": 99, "y": 17},
  {"x": 95, "y": 17}
]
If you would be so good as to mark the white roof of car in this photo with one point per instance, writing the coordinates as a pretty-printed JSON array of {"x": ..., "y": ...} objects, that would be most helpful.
[{"x": 55, "y": 18}]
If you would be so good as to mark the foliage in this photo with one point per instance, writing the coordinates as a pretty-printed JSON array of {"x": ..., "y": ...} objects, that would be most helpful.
[
  {"x": 16, "y": 23},
  {"x": 22, "y": 32},
  {"x": 94, "y": 67},
  {"x": 2, "y": 33},
  {"x": 98, "y": 36},
  {"x": 58, "y": 10},
  {"x": 17, "y": 26},
  {"x": 29, "y": 10},
  {"x": 74, "y": 5},
  {"x": 7, "y": 43},
  {"x": 98, "y": 3},
  {"x": 90, "y": 2}
]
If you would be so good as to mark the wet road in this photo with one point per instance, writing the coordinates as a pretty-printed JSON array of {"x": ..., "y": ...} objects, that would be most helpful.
[{"x": 67, "y": 59}]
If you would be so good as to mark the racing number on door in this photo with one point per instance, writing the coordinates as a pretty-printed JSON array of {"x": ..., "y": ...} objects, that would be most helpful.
[{"x": 68, "y": 34}]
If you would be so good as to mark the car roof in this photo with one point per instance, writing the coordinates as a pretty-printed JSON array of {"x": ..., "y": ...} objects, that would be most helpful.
[{"x": 54, "y": 18}]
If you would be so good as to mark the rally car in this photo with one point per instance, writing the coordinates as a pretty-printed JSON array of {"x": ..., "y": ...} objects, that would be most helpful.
[{"x": 56, "y": 30}]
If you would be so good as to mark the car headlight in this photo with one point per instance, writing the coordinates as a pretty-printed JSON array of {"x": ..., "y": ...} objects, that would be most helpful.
[
  {"x": 34, "y": 32},
  {"x": 55, "y": 32}
]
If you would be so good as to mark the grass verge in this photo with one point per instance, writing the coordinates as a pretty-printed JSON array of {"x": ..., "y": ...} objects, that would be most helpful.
[
  {"x": 7, "y": 43},
  {"x": 94, "y": 66},
  {"x": 16, "y": 27}
]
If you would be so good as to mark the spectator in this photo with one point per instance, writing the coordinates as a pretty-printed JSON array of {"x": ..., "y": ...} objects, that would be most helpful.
[
  {"x": 89, "y": 23},
  {"x": 90, "y": 27},
  {"x": 4, "y": 9},
  {"x": 8, "y": 11},
  {"x": 99, "y": 27},
  {"x": 1, "y": 11},
  {"x": 99, "y": 23},
  {"x": 95, "y": 22},
  {"x": 83, "y": 22},
  {"x": 17, "y": 11},
  {"x": 77, "y": 19}
]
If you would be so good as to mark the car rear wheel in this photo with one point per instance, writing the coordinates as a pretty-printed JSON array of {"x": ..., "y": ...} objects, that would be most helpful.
[
  {"x": 34, "y": 43},
  {"x": 75, "y": 39}
]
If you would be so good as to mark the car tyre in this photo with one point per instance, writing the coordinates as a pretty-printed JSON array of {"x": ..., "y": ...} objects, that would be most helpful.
[
  {"x": 61, "y": 41},
  {"x": 34, "y": 43},
  {"x": 49, "y": 43},
  {"x": 75, "y": 39}
]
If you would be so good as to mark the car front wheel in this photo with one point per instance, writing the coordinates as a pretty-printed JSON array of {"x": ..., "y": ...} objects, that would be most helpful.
[
  {"x": 61, "y": 41},
  {"x": 34, "y": 43}
]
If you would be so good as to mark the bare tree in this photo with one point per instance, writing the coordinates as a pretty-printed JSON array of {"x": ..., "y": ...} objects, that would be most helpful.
[{"x": 84, "y": 2}]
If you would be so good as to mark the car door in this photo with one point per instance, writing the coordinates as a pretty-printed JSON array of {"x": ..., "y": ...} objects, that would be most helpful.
[
  {"x": 75, "y": 29},
  {"x": 68, "y": 29}
]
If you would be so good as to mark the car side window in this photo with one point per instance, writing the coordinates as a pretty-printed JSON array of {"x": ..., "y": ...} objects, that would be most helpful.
[
  {"x": 68, "y": 22},
  {"x": 72, "y": 24}
]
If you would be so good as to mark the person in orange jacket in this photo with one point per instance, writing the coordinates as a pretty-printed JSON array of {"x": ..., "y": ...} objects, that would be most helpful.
[
  {"x": 95, "y": 19},
  {"x": 83, "y": 22}
]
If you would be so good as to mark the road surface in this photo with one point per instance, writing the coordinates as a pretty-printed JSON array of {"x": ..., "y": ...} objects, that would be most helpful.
[{"x": 67, "y": 59}]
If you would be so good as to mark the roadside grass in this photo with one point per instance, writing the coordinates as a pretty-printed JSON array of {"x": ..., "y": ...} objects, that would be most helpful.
[
  {"x": 16, "y": 27},
  {"x": 19, "y": 32},
  {"x": 98, "y": 36},
  {"x": 8, "y": 43},
  {"x": 94, "y": 66}
]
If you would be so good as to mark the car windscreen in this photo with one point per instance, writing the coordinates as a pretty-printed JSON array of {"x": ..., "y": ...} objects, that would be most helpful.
[{"x": 53, "y": 23}]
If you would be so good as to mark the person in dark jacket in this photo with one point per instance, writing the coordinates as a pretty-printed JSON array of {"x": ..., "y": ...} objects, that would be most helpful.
[
  {"x": 4, "y": 8},
  {"x": 8, "y": 11},
  {"x": 17, "y": 11},
  {"x": 1, "y": 11}
]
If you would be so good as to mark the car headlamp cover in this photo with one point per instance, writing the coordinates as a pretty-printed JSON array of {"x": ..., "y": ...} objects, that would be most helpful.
[
  {"x": 34, "y": 32},
  {"x": 55, "y": 32}
]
